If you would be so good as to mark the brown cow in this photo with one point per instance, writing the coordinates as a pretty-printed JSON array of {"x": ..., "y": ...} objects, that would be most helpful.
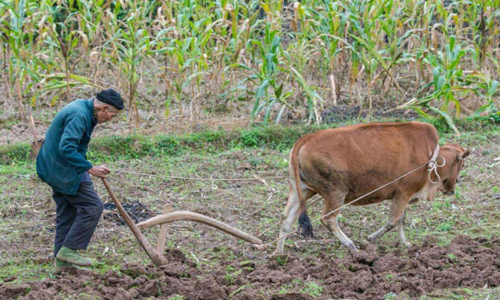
[{"x": 345, "y": 163}]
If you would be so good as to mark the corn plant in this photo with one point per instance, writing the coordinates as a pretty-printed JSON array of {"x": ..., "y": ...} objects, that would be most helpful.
[
  {"x": 449, "y": 81},
  {"x": 269, "y": 91},
  {"x": 66, "y": 46},
  {"x": 485, "y": 87},
  {"x": 264, "y": 55},
  {"x": 18, "y": 68},
  {"x": 132, "y": 43},
  {"x": 4, "y": 43}
]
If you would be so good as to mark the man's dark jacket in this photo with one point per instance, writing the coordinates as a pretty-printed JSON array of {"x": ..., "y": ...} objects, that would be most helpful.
[{"x": 62, "y": 159}]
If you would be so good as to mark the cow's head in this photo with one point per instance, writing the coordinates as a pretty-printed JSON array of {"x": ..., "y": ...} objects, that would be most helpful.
[{"x": 455, "y": 157}]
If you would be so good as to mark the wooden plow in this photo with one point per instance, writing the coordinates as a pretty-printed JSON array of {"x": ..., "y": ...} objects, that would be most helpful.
[{"x": 169, "y": 216}]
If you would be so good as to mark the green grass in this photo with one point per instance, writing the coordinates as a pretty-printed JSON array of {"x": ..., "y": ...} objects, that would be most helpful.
[
  {"x": 464, "y": 294},
  {"x": 281, "y": 138},
  {"x": 27, "y": 270}
]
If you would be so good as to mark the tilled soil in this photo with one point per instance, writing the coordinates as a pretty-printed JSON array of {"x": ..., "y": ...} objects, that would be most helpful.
[
  {"x": 137, "y": 211},
  {"x": 367, "y": 274}
]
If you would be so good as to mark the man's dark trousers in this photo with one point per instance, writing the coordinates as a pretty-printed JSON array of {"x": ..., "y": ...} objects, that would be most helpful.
[{"x": 77, "y": 216}]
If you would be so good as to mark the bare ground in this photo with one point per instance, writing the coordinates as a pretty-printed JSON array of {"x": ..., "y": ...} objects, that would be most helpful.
[{"x": 367, "y": 274}]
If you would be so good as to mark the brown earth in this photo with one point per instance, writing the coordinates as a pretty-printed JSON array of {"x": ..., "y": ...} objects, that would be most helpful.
[
  {"x": 367, "y": 274},
  {"x": 336, "y": 114}
]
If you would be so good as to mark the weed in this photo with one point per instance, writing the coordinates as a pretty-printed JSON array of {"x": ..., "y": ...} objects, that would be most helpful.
[
  {"x": 390, "y": 296},
  {"x": 312, "y": 288},
  {"x": 231, "y": 277},
  {"x": 446, "y": 226},
  {"x": 282, "y": 260}
]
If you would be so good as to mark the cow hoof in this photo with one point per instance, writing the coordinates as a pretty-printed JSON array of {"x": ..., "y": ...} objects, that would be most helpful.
[
  {"x": 258, "y": 247},
  {"x": 407, "y": 244},
  {"x": 352, "y": 247},
  {"x": 371, "y": 238}
]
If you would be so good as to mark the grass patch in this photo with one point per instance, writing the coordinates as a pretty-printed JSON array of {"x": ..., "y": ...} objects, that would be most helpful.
[
  {"x": 14, "y": 153},
  {"x": 281, "y": 138}
]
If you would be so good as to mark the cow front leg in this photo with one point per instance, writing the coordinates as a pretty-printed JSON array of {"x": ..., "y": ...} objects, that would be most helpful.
[{"x": 396, "y": 213}]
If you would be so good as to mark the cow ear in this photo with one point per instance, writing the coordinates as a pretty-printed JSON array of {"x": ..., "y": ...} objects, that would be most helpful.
[{"x": 464, "y": 155}]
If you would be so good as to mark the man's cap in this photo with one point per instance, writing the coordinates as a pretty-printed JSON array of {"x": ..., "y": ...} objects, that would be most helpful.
[{"x": 111, "y": 97}]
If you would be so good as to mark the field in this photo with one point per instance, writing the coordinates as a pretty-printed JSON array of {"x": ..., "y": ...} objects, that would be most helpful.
[
  {"x": 216, "y": 93},
  {"x": 455, "y": 252}
]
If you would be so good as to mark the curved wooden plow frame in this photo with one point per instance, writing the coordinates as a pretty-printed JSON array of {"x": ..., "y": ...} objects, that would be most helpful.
[
  {"x": 156, "y": 255},
  {"x": 195, "y": 217}
]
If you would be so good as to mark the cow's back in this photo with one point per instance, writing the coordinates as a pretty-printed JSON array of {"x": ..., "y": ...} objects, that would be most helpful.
[{"x": 360, "y": 158}]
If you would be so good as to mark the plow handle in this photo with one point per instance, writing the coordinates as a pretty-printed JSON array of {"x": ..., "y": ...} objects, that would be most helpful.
[{"x": 157, "y": 258}]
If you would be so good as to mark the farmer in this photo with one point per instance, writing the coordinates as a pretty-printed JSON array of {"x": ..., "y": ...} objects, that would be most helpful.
[{"x": 63, "y": 165}]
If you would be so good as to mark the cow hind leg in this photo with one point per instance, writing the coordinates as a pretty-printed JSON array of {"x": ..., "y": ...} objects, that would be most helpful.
[
  {"x": 396, "y": 215},
  {"x": 333, "y": 202},
  {"x": 290, "y": 215}
]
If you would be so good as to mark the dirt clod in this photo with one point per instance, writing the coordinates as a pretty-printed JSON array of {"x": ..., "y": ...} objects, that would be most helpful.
[{"x": 367, "y": 274}]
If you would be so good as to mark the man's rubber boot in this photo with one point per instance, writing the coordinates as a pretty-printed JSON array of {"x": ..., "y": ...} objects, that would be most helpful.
[
  {"x": 72, "y": 256},
  {"x": 59, "y": 266}
]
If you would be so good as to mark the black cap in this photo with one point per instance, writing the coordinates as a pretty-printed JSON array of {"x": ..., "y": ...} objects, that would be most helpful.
[{"x": 111, "y": 97}]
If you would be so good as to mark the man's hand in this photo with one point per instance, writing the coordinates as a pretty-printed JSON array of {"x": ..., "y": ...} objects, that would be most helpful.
[{"x": 100, "y": 171}]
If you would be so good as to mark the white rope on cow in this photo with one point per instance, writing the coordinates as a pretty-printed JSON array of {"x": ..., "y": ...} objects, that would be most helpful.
[
  {"x": 432, "y": 163},
  {"x": 434, "y": 157},
  {"x": 197, "y": 178}
]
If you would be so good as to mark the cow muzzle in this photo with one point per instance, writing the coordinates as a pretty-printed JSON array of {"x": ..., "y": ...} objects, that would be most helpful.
[{"x": 449, "y": 193}]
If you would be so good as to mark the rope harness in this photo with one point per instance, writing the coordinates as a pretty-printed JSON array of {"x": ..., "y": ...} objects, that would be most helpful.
[
  {"x": 433, "y": 165},
  {"x": 196, "y": 178}
]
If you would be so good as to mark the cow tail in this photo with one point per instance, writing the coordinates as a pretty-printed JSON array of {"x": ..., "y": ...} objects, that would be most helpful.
[{"x": 304, "y": 222}]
